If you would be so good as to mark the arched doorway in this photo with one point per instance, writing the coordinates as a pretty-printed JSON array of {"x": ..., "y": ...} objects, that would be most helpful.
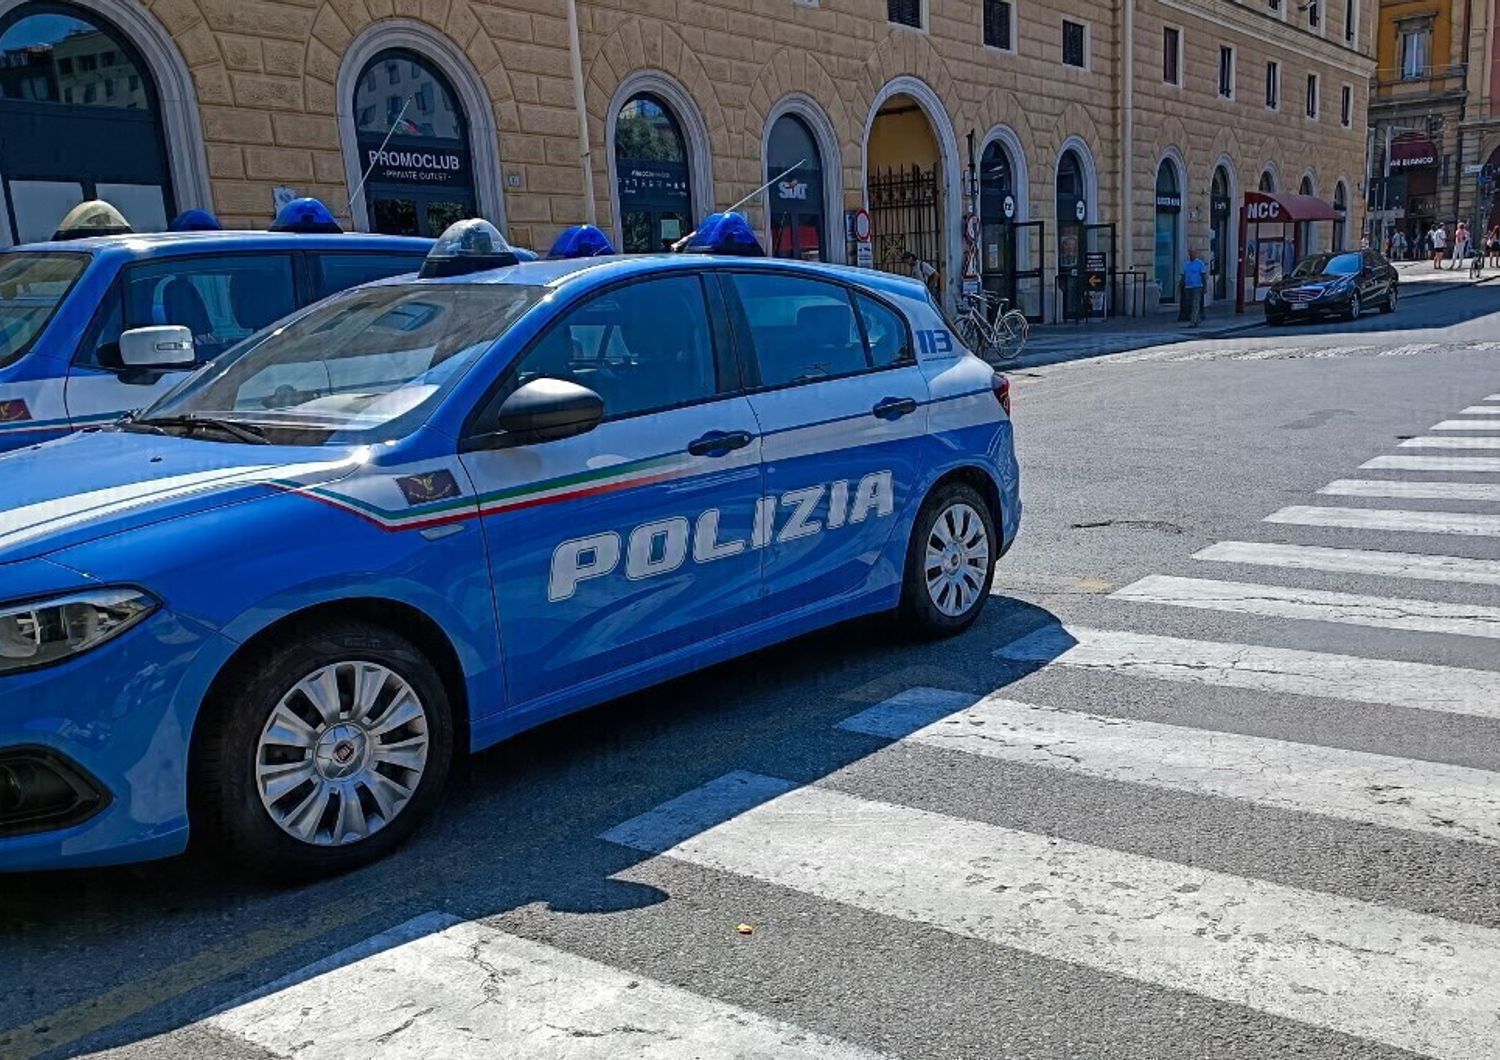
[
  {"x": 1075, "y": 207},
  {"x": 1341, "y": 225},
  {"x": 799, "y": 222},
  {"x": 1168, "y": 244},
  {"x": 999, "y": 210},
  {"x": 652, "y": 177},
  {"x": 80, "y": 118},
  {"x": 1220, "y": 208},
  {"x": 413, "y": 138},
  {"x": 1305, "y": 235},
  {"x": 905, "y": 175}
]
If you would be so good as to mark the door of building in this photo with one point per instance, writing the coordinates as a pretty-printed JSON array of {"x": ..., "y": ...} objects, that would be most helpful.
[{"x": 1029, "y": 238}]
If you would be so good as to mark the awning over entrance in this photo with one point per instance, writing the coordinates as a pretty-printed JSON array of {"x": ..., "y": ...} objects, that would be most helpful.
[
  {"x": 1266, "y": 207},
  {"x": 1413, "y": 153}
]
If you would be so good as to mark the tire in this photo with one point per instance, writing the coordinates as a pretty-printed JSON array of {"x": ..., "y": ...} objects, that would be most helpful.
[
  {"x": 967, "y": 336},
  {"x": 272, "y": 800},
  {"x": 1355, "y": 309},
  {"x": 1389, "y": 305},
  {"x": 955, "y": 599}
]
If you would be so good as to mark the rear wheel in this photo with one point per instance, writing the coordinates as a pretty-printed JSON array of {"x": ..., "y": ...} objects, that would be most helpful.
[
  {"x": 324, "y": 751},
  {"x": 1389, "y": 306},
  {"x": 1355, "y": 309},
  {"x": 950, "y": 562}
]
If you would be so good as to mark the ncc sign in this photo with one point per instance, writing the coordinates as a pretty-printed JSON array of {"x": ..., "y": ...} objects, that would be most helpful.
[{"x": 1264, "y": 210}]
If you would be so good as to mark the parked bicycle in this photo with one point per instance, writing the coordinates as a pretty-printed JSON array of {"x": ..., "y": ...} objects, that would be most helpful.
[{"x": 996, "y": 335}]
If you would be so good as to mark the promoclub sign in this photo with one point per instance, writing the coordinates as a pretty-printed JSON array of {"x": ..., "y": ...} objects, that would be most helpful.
[{"x": 428, "y": 166}]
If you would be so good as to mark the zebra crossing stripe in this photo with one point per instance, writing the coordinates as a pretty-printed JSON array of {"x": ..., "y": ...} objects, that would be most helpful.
[
  {"x": 1450, "y": 443},
  {"x": 1480, "y": 410},
  {"x": 1427, "y": 491},
  {"x": 1449, "y": 801},
  {"x": 1466, "y": 425},
  {"x": 1356, "y": 561},
  {"x": 1316, "y": 605},
  {"x": 1390, "y": 519},
  {"x": 1283, "y": 671},
  {"x": 440, "y": 987},
  {"x": 1410, "y": 980},
  {"x": 1471, "y": 464}
]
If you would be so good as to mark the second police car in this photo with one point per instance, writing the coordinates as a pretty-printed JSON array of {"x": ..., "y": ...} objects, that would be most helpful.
[
  {"x": 427, "y": 514},
  {"x": 64, "y": 304}
]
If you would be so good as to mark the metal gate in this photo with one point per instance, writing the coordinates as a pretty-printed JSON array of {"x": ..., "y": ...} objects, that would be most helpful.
[
  {"x": 904, "y": 218},
  {"x": 1030, "y": 240}
]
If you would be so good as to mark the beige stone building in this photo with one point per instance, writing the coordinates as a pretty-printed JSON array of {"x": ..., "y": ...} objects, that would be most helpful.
[{"x": 921, "y": 111}]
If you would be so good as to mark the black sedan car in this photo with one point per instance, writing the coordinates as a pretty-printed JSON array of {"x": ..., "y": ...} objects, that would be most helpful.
[{"x": 1342, "y": 285}]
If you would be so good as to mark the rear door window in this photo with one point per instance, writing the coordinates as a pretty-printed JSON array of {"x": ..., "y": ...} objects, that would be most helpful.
[
  {"x": 801, "y": 330},
  {"x": 338, "y": 271}
]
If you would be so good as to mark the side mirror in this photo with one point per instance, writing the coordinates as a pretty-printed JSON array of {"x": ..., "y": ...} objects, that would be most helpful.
[
  {"x": 167, "y": 348},
  {"x": 546, "y": 410}
]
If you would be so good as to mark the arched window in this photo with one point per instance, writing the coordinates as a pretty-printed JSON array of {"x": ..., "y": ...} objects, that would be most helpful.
[
  {"x": 80, "y": 119},
  {"x": 1305, "y": 232},
  {"x": 1267, "y": 181},
  {"x": 1168, "y": 212},
  {"x": 1072, "y": 193},
  {"x": 998, "y": 212},
  {"x": 798, "y": 224},
  {"x": 413, "y": 146},
  {"x": 1340, "y": 207},
  {"x": 1220, "y": 208},
  {"x": 651, "y": 168}
]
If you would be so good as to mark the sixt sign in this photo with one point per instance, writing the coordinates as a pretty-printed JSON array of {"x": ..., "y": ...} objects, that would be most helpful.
[{"x": 661, "y": 547}]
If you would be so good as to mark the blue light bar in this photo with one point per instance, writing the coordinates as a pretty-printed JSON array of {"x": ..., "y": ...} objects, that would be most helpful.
[
  {"x": 580, "y": 241},
  {"x": 304, "y": 215},
  {"x": 467, "y": 246},
  {"x": 195, "y": 221},
  {"x": 725, "y": 233}
]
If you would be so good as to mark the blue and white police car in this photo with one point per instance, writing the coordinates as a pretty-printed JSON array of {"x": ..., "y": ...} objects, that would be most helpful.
[
  {"x": 424, "y": 515},
  {"x": 64, "y": 304}
]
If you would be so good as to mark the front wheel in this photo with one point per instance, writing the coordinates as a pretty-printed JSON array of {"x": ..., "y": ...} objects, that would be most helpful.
[
  {"x": 323, "y": 752},
  {"x": 968, "y": 334},
  {"x": 950, "y": 562}
]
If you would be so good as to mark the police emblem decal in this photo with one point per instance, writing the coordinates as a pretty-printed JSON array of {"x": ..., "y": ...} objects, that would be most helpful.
[
  {"x": 13, "y": 410},
  {"x": 429, "y": 487}
]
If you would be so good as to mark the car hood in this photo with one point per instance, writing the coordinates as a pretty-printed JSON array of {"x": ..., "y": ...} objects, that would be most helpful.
[{"x": 97, "y": 483}]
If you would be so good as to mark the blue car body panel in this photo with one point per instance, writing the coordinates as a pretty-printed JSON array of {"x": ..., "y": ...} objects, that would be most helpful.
[
  {"x": 33, "y": 406},
  {"x": 561, "y": 574}
]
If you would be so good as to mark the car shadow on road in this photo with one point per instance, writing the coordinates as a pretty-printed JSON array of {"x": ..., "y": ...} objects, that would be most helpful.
[{"x": 520, "y": 829}]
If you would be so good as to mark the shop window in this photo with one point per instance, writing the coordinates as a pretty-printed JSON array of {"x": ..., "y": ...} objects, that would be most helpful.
[
  {"x": 1074, "y": 44},
  {"x": 651, "y": 175},
  {"x": 997, "y": 24},
  {"x": 794, "y": 167},
  {"x": 905, "y": 12}
]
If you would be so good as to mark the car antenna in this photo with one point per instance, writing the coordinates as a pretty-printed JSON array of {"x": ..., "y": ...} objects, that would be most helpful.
[
  {"x": 349, "y": 213},
  {"x": 677, "y": 246}
]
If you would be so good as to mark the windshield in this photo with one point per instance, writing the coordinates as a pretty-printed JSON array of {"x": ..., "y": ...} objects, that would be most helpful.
[
  {"x": 1327, "y": 265},
  {"x": 365, "y": 366},
  {"x": 32, "y": 286}
]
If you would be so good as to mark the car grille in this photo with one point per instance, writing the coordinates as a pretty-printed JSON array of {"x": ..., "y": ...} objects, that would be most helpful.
[{"x": 1300, "y": 295}]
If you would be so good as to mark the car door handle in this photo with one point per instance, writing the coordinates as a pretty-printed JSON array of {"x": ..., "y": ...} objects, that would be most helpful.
[
  {"x": 895, "y": 408},
  {"x": 719, "y": 443}
]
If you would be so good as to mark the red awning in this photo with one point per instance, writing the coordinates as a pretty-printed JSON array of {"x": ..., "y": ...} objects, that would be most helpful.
[
  {"x": 1413, "y": 153},
  {"x": 1262, "y": 207}
]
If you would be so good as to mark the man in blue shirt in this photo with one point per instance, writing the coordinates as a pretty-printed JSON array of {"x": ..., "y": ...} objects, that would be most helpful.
[{"x": 1194, "y": 275}]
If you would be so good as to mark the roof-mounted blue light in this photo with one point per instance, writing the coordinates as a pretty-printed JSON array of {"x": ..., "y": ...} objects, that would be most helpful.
[
  {"x": 467, "y": 246},
  {"x": 304, "y": 215},
  {"x": 195, "y": 221},
  {"x": 725, "y": 233},
  {"x": 525, "y": 254},
  {"x": 580, "y": 241},
  {"x": 92, "y": 218}
]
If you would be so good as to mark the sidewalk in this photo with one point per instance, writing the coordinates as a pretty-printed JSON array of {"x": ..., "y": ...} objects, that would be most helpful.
[{"x": 1051, "y": 343}]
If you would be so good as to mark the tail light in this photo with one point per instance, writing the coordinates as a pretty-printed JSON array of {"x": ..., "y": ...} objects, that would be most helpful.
[{"x": 1001, "y": 388}]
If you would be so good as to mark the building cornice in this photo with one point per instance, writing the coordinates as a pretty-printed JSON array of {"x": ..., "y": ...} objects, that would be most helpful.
[{"x": 1267, "y": 26}]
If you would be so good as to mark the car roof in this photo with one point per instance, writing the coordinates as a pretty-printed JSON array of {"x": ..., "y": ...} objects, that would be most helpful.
[
  {"x": 604, "y": 269},
  {"x": 165, "y": 244}
]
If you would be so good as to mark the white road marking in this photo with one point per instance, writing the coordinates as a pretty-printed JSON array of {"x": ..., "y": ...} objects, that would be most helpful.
[
  {"x": 1410, "y": 980},
  {"x": 1450, "y": 801},
  {"x": 1466, "y": 425},
  {"x": 1315, "y": 605},
  {"x": 1429, "y": 491},
  {"x": 1356, "y": 561},
  {"x": 1480, "y": 410},
  {"x": 1450, "y": 443},
  {"x": 1390, "y": 519},
  {"x": 440, "y": 987},
  {"x": 1283, "y": 671},
  {"x": 1470, "y": 464}
]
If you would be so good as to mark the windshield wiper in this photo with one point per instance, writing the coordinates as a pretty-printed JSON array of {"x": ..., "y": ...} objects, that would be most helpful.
[{"x": 244, "y": 432}]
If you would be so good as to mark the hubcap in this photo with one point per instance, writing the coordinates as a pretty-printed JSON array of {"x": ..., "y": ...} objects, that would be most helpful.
[
  {"x": 957, "y": 559},
  {"x": 342, "y": 753}
]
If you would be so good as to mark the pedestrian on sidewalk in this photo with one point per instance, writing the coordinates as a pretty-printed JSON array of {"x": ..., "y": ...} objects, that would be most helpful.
[
  {"x": 1492, "y": 244},
  {"x": 1194, "y": 274},
  {"x": 1398, "y": 245},
  {"x": 1439, "y": 241},
  {"x": 1461, "y": 243}
]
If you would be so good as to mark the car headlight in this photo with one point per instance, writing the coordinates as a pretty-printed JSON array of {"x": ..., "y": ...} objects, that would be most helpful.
[
  {"x": 40, "y": 632},
  {"x": 1275, "y": 296}
]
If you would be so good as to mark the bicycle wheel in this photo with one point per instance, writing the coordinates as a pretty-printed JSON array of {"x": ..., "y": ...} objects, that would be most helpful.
[{"x": 968, "y": 333}]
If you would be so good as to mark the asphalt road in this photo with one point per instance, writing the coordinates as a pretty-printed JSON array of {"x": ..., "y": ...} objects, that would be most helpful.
[{"x": 1151, "y": 806}]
